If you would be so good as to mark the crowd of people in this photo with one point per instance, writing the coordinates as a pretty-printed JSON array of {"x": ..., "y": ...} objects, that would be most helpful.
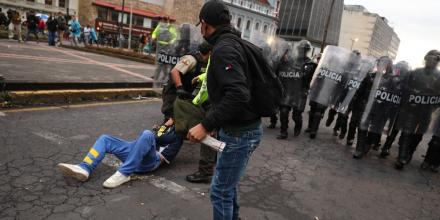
[
  {"x": 57, "y": 28},
  {"x": 225, "y": 85}
]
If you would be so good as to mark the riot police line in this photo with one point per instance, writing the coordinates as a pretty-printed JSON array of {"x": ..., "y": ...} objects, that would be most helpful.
[
  {"x": 364, "y": 97},
  {"x": 370, "y": 98}
]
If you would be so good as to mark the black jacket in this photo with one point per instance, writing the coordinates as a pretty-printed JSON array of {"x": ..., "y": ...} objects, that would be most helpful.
[
  {"x": 228, "y": 87},
  {"x": 52, "y": 25},
  {"x": 32, "y": 21}
]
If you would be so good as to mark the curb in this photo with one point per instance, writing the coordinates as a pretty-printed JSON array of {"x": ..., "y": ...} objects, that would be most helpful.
[
  {"x": 26, "y": 86},
  {"x": 51, "y": 97}
]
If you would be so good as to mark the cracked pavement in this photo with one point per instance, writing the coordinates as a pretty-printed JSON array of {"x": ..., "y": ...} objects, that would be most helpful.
[{"x": 296, "y": 178}]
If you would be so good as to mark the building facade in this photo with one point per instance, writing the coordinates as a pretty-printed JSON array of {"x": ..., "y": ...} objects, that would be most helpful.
[
  {"x": 41, "y": 6},
  {"x": 368, "y": 32},
  {"x": 107, "y": 14},
  {"x": 253, "y": 17},
  {"x": 306, "y": 19}
]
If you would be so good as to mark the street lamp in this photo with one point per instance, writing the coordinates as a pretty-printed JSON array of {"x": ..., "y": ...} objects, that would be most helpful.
[{"x": 353, "y": 41}]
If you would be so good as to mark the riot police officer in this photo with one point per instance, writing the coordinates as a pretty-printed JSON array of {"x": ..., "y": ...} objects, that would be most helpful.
[
  {"x": 421, "y": 99},
  {"x": 432, "y": 158},
  {"x": 401, "y": 71},
  {"x": 381, "y": 90},
  {"x": 295, "y": 72}
]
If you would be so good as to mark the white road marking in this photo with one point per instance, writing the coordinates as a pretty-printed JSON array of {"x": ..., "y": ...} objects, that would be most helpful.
[
  {"x": 2, "y": 114},
  {"x": 54, "y": 138}
]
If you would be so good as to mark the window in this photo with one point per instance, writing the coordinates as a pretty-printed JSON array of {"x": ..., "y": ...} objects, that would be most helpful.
[
  {"x": 115, "y": 16},
  {"x": 265, "y": 29},
  {"x": 48, "y": 2},
  {"x": 248, "y": 25},
  {"x": 257, "y": 26},
  {"x": 138, "y": 20},
  {"x": 102, "y": 13},
  {"x": 239, "y": 22},
  {"x": 62, "y": 3}
]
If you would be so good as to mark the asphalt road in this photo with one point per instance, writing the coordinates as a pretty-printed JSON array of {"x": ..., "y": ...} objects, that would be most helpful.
[
  {"x": 296, "y": 178},
  {"x": 32, "y": 62}
]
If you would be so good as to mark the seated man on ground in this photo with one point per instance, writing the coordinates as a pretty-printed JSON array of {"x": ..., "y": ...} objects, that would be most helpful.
[{"x": 145, "y": 154}]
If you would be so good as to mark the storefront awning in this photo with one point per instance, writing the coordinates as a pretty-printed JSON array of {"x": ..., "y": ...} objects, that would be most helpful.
[{"x": 140, "y": 12}]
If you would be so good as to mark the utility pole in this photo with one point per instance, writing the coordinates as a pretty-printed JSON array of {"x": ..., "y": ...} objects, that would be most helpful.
[
  {"x": 327, "y": 25},
  {"x": 131, "y": 21},
  {"x": 121, "y": 24},
  {"x": 67, "y": 7}
]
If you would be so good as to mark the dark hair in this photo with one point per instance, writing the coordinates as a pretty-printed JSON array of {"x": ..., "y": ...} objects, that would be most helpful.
[{"x": 204, "y": 48}]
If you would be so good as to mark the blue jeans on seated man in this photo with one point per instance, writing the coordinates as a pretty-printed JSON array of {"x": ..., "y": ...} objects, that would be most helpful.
[
  {"x": 231, "y": 164},
  {"x": 138, "y": 156}
]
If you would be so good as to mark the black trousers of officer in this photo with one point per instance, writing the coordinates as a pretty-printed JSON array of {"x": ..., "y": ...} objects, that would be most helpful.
[
  {"x": 315, "y": 115},
  {"x": 284, "y": 117},
  {"x": 433, "y": 154},
  {"x": 354, "y": 124},
  {"x": 341, "y": 124},
  {"x": 208, "y": 159},
  {"x": 407, "y": 146}
]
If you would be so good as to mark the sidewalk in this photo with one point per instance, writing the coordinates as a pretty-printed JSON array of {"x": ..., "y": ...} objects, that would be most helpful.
[{"x": 32, "y": 67}]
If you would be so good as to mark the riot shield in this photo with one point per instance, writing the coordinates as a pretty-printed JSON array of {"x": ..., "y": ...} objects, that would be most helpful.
[
  {"x": 337, "y": 77},
  {"x": 420, "y": 99},
  {"x": 172, "y": 42},
  {"x": 295, "y": 76},
  {"x": 384, "y": 98}
]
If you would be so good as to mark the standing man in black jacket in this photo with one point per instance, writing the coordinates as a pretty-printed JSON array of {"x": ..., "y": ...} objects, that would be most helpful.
[{"x": 231, "y": 114}]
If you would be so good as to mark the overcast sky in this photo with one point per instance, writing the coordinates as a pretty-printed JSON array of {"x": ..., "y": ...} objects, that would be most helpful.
[{"x": 416, "y": 22}]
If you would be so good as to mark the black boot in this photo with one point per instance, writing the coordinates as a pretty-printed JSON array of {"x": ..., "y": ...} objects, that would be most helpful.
[
  {"x": 283, "y": 135},
  {"x": 199, "y": 177},
  {"x": 298, "y": 125},
  {"x": 360, "y": 145},
  {"x": 432, "y": 158},
  {"x": 331, "y": 117},
  {"x": 385, "y": 152},
  {"x": 404, "y": 152},
  {"x": 309, "y": 123}
]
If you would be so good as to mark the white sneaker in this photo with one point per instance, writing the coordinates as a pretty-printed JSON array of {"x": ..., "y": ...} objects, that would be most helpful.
[
  {"x": 74, "y": 171},
  {"x": 116, "y": 180}
]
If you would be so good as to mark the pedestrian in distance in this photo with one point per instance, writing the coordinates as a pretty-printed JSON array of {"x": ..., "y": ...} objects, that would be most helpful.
[
  {"x": 62, "y": 27},
  {"x": 145, "y": 154},
  {"x": 3, "y": 19},
  {"x": 75, "y": 30},
  {"x": 52, "y": 28},
  {"x": 41, "y": 26},
  {"x": 142, "y": 42},
  {"x": 14, "y": 27},
  {"x": 86, "y": 32},
  {"x": 32, "y": 22},
  {"x": 93, "y": 37}
]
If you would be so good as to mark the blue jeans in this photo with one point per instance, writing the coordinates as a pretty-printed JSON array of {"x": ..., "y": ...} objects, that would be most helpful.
[
  {"x": 138, "y": 156},
  {"x": 52, "y": 36},
  {"x": 231, "y": 164}
]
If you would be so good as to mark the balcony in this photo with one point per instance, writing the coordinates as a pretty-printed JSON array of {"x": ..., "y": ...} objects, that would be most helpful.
[{"x": 36, "y": 6}]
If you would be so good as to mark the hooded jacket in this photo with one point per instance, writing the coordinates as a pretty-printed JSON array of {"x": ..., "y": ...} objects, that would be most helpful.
[{"x": 229, "y": 91}]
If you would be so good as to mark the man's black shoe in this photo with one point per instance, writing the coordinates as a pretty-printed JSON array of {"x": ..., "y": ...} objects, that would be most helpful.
[{"x": 199, "y": 177}]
